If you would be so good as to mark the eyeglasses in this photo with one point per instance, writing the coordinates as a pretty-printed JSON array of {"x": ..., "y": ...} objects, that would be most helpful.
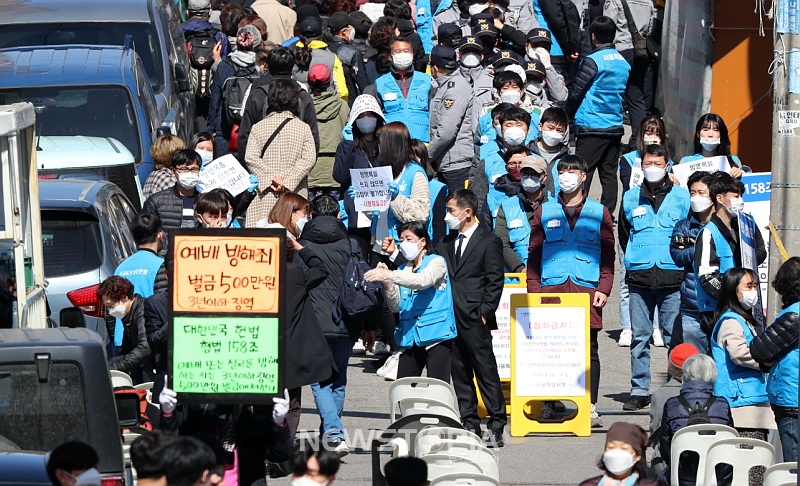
[{"x": 186, "y": 170}]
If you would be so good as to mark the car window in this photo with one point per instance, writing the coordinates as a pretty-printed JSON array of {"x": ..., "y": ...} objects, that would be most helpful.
[
  {"x": 125, "y": 216},
  {"x": 92, "y": 111},
  {"x": 39, "y": 416},
  {"x": 146, "y": 101},
  {"x": 122, "y": 245},
  {"x": 71, "y": 243},
  {"x": 127, "y": 210},
  {"x": 144, "y": 35}
]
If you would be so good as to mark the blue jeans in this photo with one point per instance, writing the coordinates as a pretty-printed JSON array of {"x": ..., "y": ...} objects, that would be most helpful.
[
  {"x": 624, "y": 295},
  {"x": 693, "y": 334},
  {"x": 787, "y": 429},
  {"x": 643, "y": 303},
  {"x": 330, "y": 398}
]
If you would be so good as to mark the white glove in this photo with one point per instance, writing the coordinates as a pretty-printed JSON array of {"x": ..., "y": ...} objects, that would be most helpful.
[
  {"x": 280, "y": 408},
  {"x": 168, "y": 399},
  {"x": 544, "y": 57}
]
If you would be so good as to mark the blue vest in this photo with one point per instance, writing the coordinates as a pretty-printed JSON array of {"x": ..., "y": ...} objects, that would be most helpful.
[
  {"x": 405, "y": 183},
  {"x": 413, "y": 110},
  {"x": 571, "y": 253},
  {"x": 494, "y": 167},
  {"x": 739, "y": 385},
  {"x": 425, "y": 24},
  {"x": 519, "y": 228},
  {"x": 555, "y": 49},
  {"x": 602, "y": 104},
  {"x": 705, "y": 302},
  {"x": 782, "y": 379},
  {"x": 435, "y": 187},
  {"x": 426, "y": 316},
  {"x": 651, "y": 232},
  {"x": 140, "y": 269}
]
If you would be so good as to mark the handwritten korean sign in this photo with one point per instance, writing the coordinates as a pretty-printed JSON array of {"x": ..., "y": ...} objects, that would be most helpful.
[
  {"x": 372, "y": 188},
  {"x": 711, "y": 164},
  {"x": 227, "y": 173}
]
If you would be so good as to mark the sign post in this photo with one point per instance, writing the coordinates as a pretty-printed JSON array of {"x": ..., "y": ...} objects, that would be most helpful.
[{"x": 227, "y": 336}]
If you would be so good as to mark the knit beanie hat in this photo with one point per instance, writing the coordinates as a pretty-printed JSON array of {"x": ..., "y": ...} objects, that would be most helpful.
[{"x": 630, "y": 434}]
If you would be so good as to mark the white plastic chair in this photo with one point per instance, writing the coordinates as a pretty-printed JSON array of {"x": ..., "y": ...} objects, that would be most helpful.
[
  {"x": 118, "y": 378},
  {"x": 478, "y": 454},
  {"x": 446, "y": 464},
  {"x": 696, "y": 438},
  {"x": 428, "y": 439},
  {"x": 780, "y": 474},
  {"x": 420, "y": 387},
  {"x": 149, "y": 387},
  {"x": 416, "y": 406},
  {"x": 465, "y": 479},
  {"x": 741, "y": 453}
]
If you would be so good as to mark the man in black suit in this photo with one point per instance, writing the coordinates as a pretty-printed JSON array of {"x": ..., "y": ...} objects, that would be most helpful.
[{"x": 475, "y": 265}]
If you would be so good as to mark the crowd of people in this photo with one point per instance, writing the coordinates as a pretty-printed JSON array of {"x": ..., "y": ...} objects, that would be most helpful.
[{"x": 474, "y": 107}]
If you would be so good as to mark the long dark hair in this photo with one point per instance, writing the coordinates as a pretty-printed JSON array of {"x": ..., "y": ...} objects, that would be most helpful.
[
  {"x": 712, "y": 120},
  {"x": 420, "y": 153},
  {"x": 302, "y": 56},
  {"x": 656, "y": 122},
  {"x": 202, "y": 137},
  {"x": 394, "y": 143},
  {"x": 728, "y": 299}
]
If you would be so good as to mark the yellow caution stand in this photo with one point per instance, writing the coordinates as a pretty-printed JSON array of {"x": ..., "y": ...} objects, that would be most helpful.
[{"x": 550, "y": 361}]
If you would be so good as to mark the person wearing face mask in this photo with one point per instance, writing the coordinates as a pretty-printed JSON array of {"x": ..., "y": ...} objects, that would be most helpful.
[
  {"x": 404, "y": 94},
  {"x": 450, "y": 150},
  {"x": 458, "y": 12},
  {"x": 175, "y": 206},
  {"x": 537, "y": 49},
  {"x": 488, "y": 91},
  {"x": 470, "y": 57},
  {"x": 133, "y": 354},
  {"x": 401, "y": 12},
  {"x": 718, "y": 245},
  {"x": 682, "y": 249},
  {"x": 513, "y": 222},
  {"x": 162, "y": 177},
  {"x": 509, "y": 89},
  {"x": 340, "y": 43},
  {"x": 73, "y": 463},
  {"x": 711, "y": 140},
  {"x": 552, "y": 144},
  {"x": 203, "y": 143},
  {"x": 507, "y": 184},
  {"x": 214, "y": 210},
  {"x": 420, "y": 291},
  {"x": 651, "y": 132},
  {"x": 740, "y": 378},
  {"x": 623, "y": 461},
  {"x": 572, "y": 251},
  {"x": 648, "y": 217},
  {"x": 314, "y": 468}
]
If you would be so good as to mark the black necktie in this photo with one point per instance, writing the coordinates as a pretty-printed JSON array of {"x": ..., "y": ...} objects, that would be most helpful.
[{"x": 461, "y": 239}]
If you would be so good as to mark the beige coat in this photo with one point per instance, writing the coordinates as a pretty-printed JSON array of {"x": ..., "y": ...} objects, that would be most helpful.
[
  {"x": 290, "y": 157},
  {"x": 280, "y": 19}
]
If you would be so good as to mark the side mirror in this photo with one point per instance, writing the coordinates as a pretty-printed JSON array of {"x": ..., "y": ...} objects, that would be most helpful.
[{"x": 182, "y": 78}]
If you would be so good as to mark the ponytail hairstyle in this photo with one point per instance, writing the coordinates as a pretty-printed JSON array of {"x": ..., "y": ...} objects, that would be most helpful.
[{"x": 302, "y": 56}]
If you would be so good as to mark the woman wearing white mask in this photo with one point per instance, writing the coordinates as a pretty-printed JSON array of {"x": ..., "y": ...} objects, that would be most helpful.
[
  {"x": 420, "y": 291},
  {"x": 122, "y": 303},
  {"x": 740, "y": 379},
  {"x": 203, "y": 144},
  {"x": 314, "y": 467},
  {"x": 623, "y": 461},
  {"x": 711, "y": 140},
  {"x": 651, "y": 132}
]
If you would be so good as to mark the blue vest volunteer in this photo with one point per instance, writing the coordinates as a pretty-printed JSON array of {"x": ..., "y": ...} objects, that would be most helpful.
[
  {"x": 411, "y": 110},
  {"x": 426, "y": 316},
  {"x": 424, "y": 21},
  {"x": 555, "y": 49},
  {"x": 739, "y": 385},
  {"x": 571, "y": 253},
  {"x": 651, "y": 232},
  {"x": 705, "y": 302},
  {"x": 404, "y": 184},
  {"x": 141, "y": 270},
  {"x": 436, "y": 188},
  {"x": 602, "y": 104},
  {"x": 782, "y": 380},
  {"x": 519, "y": 228}
]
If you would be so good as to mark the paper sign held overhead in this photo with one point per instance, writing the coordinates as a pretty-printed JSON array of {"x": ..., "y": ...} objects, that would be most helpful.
[
  {"x": 372, "y": 188},
  {"x": 227, "y": 173}
]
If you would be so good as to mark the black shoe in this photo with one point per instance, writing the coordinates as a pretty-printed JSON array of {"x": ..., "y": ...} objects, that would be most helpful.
[
  {"x": 495, "y": 439},
  {"x": 475, "y": 429},
  {"x": 636, "y": 403}
]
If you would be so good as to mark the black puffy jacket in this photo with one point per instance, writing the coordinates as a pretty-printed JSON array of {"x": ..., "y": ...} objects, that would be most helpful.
[
  {"x": 167, "y": 205},
  {"x": 135, "y": 351},
  {"x": 773, "y": 342}
]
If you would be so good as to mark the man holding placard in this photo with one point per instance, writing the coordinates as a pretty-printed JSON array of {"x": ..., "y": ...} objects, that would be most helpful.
[{"x": 572, "y": 251}]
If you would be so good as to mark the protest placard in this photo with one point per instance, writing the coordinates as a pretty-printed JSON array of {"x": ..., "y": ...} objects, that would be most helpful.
[
  {"x": 225, "y": 172},
  {"x": 372, "y": 188},
  {"x": 711, "y": 164}
]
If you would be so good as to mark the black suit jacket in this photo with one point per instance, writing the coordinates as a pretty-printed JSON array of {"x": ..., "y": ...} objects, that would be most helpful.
[{"x": 477, "y": 281}]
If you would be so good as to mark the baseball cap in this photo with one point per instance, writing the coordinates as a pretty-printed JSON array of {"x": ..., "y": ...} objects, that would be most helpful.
[
  {"x": 198, "y": 5},
  {"x": 361, "y": 22},
  {"x": 444, "y": 57},
  {"x": 449, "y": 34},
  {"x": 338, "y": 21},
  {"x": 307, "y": 10},
  {"x": 534, "y": 162},
  {"x": 483, "y": 24},
  {"x": 470, "y": 43},
  {"x": 310, "y": 26},
  {"x": 540, "y": 35},
  {"x": 681, "y": 352},
  {"x": 504, "y": 58},
  {"x": 535, "y": 69},
  {"x": 319, "y": 73}
]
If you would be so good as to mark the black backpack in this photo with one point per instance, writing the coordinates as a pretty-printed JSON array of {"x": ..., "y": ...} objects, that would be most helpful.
[
  {"x": 358, "y": 299},
  {"x": 200, "y": 46},
  {"x": 698, "y": 414},
  {"x": 235, "y": 91}
]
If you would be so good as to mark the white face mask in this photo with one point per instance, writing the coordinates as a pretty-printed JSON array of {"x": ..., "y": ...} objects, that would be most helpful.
[
  {"x": 205, "y": 157},
  {"x": 300, "y": 224},
  {"x": 737, "y": 204},
  {"x": 470, "y": 60},
  {"x": 532, "y": 54},
  {"x": 188, "y": 180},
  {"x": 511, "y": 96},
  {"x": 476, "y": 9},
  {"x": 749, "y": 299},
  {"x": 304, "y": 481},
  {"x": 228, "y": 219},
  {"x": 654, "y": 174},
  {"x": 351, "y": 35},
  {"x": 402, "y": 60},
  {"x": 367, "y": 124},
  {"x": 709, "y": 144},
  {"x": 699, "y": 203},
  {"x": 410, "y": 249},
  {"x": 515, "y": 136},
  {"x": 530, "y": 183},
  {"x": 452, "y": 221},
  {"x": 617, "y": 461},
  {"x": 117, "y": 311},
  {"x": 568, "y": 182},
  {"x": 652, "y": 140},
  {"x": 534, "y": 88},
  {"x": 552, "y": 138}
]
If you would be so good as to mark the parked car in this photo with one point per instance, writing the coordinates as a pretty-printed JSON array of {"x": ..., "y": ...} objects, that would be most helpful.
[
  {"x": 86, "y": 235},
  {"x": 55, "y": 387},
  {"x": 94, "y": 91},
  {"x": 157, "y": 35}
]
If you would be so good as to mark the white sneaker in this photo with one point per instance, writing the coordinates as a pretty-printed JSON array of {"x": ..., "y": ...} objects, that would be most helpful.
[
  {"x": 358, "y": 348},
  {"x": 658, "y": 338},
  {"x": 625, "y": 339},
  {"x": 596, "y": 422},
  {"x": 380, "y": 348},
  {"x": 341, "y": 448},
  {"x": 390, "y": 374},
  {"x": 386, "y": 365}
]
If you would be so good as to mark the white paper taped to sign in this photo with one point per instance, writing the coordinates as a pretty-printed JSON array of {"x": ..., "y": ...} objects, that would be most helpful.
[
  {"x": 711, "y": 164},
  {"x": 501, "y": 337},
  {"x": 372, "y": 188},
  {"x": 550, "y": 352},
  {"x": 788, "y": 122},
  {"x": 227, "y": 173}
]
